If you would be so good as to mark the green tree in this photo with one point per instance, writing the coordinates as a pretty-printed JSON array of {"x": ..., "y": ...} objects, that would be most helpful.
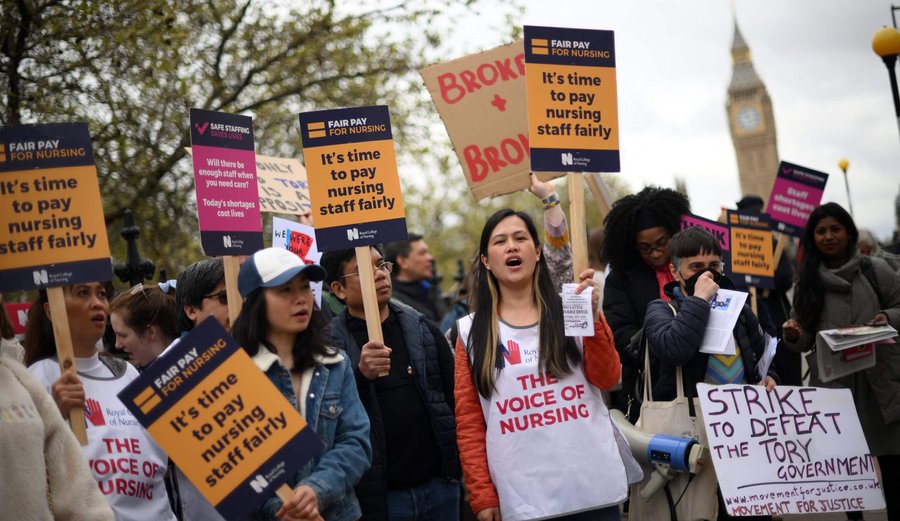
[{"x": 132, "y": 69}]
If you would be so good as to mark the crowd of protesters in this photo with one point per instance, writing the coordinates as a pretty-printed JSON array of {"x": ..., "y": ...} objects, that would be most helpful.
[{"x": 409, "y": 424}]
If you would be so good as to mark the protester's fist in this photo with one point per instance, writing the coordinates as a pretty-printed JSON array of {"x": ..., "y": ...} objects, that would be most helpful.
[
  {"x": 68, "y": 393},
  {"x": 303, "y": 506},
  {"x": 706, "y": 287},
  {"x": 790, "y": 330},
  {"x": 489, "y": 514},
  {"x": 586, "y": 279},
  {"x": 375, "y": 359}
]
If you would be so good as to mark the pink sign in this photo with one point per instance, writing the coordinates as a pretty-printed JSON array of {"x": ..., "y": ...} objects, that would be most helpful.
[{"x": 796, "y": 193}]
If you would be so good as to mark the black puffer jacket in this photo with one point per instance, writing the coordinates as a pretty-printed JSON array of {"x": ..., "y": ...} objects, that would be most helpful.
[
  {"x": 432, "y": 362},
  {"x": 675, "y": 341},
  {"x": 625, "y": 299}
]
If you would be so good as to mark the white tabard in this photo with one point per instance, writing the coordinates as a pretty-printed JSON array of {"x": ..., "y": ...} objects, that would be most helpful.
[
  {"x": 551, "y": 449},
  {"x": 127, "y": 464}
]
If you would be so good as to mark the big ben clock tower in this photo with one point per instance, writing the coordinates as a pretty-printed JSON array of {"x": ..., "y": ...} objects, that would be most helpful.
[{"x": 752, "y": 123}]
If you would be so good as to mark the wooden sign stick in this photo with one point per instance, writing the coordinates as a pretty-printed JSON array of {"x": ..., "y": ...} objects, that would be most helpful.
[
  {"x": 65, "y": 353},
  {"x": 753, "y": 304},
  {"x": 370, "y": 297},
  {"x": 779, "y": 248},
  {"x": 232, "y": 267},
  {"x": 577, "y": 231},
  {"x": 599, "y": 191}
]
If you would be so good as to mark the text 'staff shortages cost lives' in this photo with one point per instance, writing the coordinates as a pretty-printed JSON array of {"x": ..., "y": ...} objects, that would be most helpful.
[
  {"x": 51, "y": 215},
  {"x": 572, "y": 101},
  {"x": 796, "y": 193},
  {"x": 354, "y": 186},
  {"x": 221, "y": 420}
]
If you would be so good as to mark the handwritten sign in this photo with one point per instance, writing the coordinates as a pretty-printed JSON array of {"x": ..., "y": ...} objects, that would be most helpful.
[
  {"x": 794, "y": 450},
  {"x": 494, "y": 152},
  {"x": 299, "y": 239},
  {"x": 225, "y": 181},
  {"x": 353, "y": 181},
  {"x": 51, "y": 214},
  {"x": 752, "y": 253},
  {"x": 282, "y": 183},
  {"x": 221, "y": 420},
  {"x": 572, "y": 108},
  {"x": 796, "y": 193}
]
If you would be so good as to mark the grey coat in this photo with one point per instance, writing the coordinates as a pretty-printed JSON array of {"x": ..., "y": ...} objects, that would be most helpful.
[{"x": 851, "y": 300}]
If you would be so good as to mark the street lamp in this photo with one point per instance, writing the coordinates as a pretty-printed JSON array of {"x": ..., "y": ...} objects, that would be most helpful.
[
  {"x": 843, "y": 163},
  {"x": 886, "y": 44}
]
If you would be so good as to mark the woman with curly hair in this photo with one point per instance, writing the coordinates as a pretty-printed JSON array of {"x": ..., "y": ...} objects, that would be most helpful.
[{"x": 636, "y": 247}]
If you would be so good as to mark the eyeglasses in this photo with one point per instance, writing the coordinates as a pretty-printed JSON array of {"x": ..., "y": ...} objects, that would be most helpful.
[
  {"x": 385, "y": 266},
  {"x": 222, "y": 296},
  {"x": 659, "y": 245}
]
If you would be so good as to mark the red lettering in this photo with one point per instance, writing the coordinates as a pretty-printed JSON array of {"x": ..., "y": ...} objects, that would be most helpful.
[
  {"x": 491, "y": 159},
  {"x": 451, "y": 92},
  {"x": 487, "y": 73},
  {"x": 485, "y": 79},
  {"x": 468, "y": 78}
]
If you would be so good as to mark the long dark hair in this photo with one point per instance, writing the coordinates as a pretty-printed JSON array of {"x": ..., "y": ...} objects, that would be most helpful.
[
  {"x": 556, "y": 352},
  {"x": 252, "y": 329},
  {"x": 39, "y": 340},
  {"x": 808, "y": 301}
]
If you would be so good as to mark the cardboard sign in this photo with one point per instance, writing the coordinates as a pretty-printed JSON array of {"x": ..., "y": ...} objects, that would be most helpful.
[
  {"x": 796, "y": 193},
  {"x": 573, "y": 122},
  {"x": 354, "y": 186},
  {"x": 493, "y": 151},
  {"x": 51, "y": 215},
  {"x": 794, "y": 450},
  {"x": 221, "y": 420},
  {"x": 225, "y": 181},
  {"x": 719, "y": 231},
  {"x": 282, "y": 185},
  {"x": 299, "y": 239},
  {"x": 752, "y": 254}
]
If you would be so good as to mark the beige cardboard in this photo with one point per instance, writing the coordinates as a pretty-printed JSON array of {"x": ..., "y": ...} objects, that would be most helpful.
[{"x": 491, "y": 144}]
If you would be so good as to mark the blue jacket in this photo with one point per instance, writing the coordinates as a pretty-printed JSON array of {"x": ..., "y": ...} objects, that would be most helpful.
[
  {"x": 675, "y": 341},
  {"x": 432, "y": 362},
  {"x": 333, "y": 409}
]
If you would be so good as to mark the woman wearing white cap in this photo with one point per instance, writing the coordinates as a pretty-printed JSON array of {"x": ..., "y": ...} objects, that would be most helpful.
[{"x": 285, "y": 333}]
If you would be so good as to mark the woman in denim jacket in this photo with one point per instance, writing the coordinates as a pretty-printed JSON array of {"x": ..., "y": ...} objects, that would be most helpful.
[{"x": 285, "y": 334}]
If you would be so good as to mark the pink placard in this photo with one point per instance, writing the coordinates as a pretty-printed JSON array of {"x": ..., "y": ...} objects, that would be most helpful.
[{"x": 227, "y": 195}]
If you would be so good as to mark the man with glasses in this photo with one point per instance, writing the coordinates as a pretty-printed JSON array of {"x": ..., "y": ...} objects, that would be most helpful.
[{"x": 406, "y": 386}]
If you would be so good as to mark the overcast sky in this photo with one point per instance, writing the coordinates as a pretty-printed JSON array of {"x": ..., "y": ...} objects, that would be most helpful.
[{"x": 830, "y": 92}]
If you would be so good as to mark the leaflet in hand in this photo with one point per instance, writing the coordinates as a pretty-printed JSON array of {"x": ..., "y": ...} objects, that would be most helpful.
[
  {"x": 725, "y": 308},
  {"x": 842, "y": 338},
  {"x": 577, "y": 313}
]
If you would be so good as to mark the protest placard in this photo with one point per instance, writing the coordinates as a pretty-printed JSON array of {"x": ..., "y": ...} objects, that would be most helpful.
[
  {"x": 796, "y": 193},
  {"x": 793, "y": 450},
  {"x": 225, "y": 181},
  {"x": 718, "y": 230},
  {"x": 51, "y": 214},
  {"x": 282, "y": 183},
  {"x": 752, "y": 252},
  {"x": 354, "y": 186},
  {"x": 572, "y": 101},
  {"x": 18, "y": 315},
  {"x": 221, "y": 420},
  {"x": 299, "y": 239},
  {"x": 493, "y": 151}
]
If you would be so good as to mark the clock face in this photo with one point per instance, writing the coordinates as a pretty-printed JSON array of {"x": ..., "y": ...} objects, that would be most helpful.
[{"x": 748, "y": 118}]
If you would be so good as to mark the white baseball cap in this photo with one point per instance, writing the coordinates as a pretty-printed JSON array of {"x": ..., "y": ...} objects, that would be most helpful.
[{"x": 272, "y": 267}]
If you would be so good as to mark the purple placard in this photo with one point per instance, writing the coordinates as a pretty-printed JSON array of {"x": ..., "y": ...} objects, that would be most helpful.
[
  {"x": 718, "y": 230},
  {"x": 796, "y": 193},
  {"x": 225, "y": 181}
]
